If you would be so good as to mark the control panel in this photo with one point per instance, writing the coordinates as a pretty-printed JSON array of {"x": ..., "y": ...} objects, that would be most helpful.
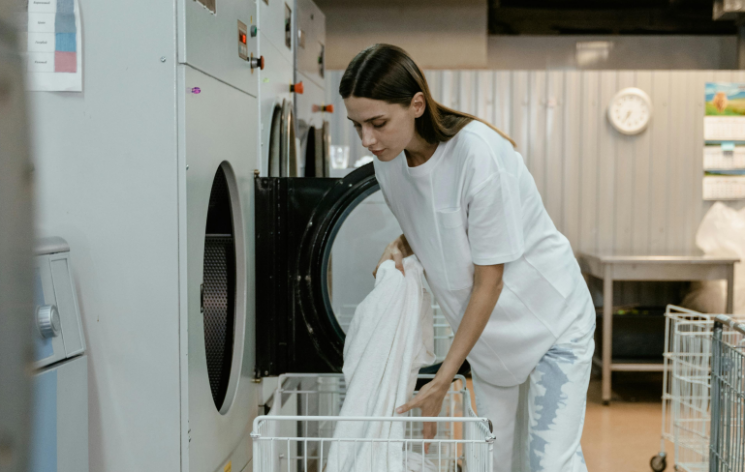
[
  {"x": 59, "y": 330},
  {"x": 207, "y": 40},
  {"x": 242, "y": 40}
]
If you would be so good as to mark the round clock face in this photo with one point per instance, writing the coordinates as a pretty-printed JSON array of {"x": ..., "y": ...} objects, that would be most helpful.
[{"x": 630, "y": 111}]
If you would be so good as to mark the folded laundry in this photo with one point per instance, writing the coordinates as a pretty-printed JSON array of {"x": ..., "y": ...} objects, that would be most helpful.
[{"x": 390, "y": 338}]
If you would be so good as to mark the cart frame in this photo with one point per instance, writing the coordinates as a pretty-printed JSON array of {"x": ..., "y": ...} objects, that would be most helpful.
[{"x": 301, "y": 442}]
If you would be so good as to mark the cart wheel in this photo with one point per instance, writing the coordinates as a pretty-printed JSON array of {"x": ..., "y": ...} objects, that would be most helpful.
[{"x": 658, "y": 462}]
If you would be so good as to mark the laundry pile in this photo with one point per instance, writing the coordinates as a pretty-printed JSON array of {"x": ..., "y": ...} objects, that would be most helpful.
[{"x": 390, "y": 338}]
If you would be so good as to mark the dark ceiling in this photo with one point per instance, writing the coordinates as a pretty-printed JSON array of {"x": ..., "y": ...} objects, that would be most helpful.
[{"x": 602, "y": 17}]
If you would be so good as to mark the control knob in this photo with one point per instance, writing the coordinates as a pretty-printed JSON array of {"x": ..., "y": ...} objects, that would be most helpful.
[
  {"x": 256, "y": 62},
  {"x": 47, "y": 320},
  {"x": 323, "y": 108}
]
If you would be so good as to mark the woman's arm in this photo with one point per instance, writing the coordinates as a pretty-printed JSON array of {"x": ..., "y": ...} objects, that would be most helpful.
[
  {"x": 487, "y": 286},
  {"x": 396, "y": 251}
]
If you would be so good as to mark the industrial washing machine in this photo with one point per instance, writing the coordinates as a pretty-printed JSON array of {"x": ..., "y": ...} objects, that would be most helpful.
[
  {"x": 317, "y": 243},
  {"x": 310, "y": 106},
  {"x": 276, "y": 46},
  {"x": 148, "y": 174}
]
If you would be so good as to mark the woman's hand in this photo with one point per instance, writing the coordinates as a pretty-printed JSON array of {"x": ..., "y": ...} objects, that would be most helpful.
[
  {"x": 429, "y": 399},
  {"x": 396, "y": 251},
  {"x": 487, "y": 286}
]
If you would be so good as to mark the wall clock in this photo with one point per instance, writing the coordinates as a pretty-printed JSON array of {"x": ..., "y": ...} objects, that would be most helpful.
[{"x": 630, "y": 111}]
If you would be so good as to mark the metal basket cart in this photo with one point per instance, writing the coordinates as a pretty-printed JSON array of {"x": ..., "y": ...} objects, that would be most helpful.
[
  {"x": 727, "y": 439},
  {"x": 686, "y": 388},
  {"x": 297, "y": 434}
]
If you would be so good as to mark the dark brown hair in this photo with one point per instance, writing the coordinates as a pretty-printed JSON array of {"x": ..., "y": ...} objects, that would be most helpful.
[{"x": 386, "y": 72}]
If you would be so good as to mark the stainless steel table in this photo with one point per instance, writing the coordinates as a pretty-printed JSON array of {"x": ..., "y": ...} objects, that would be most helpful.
[{"x": 648, "y": 268}]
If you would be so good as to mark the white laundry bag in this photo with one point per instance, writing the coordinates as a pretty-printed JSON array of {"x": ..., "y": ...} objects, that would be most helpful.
[
  {"x": 721, "y": 234},
  {"x": 390, "y": 338}
]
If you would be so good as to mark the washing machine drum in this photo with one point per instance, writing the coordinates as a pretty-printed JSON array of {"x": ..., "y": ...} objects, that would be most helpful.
[{"x": 317, "y": 244}]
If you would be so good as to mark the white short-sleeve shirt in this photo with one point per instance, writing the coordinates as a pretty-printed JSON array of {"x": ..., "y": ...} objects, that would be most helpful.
[{"x": 475, "y": 202}]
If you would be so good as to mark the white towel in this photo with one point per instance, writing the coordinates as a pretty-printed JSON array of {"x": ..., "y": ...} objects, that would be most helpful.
[{"x": 390, "y": 338}]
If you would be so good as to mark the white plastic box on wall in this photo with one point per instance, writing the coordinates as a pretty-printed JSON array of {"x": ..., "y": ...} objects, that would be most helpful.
[
  {"x": 717, "y": 158},
  {"x": 726, "y": 187}
]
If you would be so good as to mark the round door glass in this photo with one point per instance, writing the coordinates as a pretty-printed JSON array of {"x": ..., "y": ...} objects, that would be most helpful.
[{"x": 361, "y": 238}]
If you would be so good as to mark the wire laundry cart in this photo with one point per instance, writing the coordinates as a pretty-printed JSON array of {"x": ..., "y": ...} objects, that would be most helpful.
[
  {"x": 686, "y": 400},
  {"x": 298, "y": 432},
  {"x": 727, "y": 439}
]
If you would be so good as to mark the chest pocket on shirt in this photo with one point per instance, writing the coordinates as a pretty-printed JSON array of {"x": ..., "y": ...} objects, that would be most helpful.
[{"x": 456, "y": 251}]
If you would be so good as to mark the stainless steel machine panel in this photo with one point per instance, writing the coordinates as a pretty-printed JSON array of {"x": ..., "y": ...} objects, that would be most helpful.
[
  {"x": 275, "y": 24},
  {"x": 220, "y": 127},
  {"x": 310, "y": 23},
  {"x": 212, "y": 41}
]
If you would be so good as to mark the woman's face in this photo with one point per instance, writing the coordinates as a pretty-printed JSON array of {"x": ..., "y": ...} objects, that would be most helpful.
[{"x": 385, "y": 129}]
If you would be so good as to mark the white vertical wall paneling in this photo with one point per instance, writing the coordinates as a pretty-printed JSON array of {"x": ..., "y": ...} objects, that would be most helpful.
[
  {"x": 484, "y": 97},
  {"x": 607, "y": 136},
  {"x": 433, "y": 81},
  {"x": 605, "y": 191},
  {"x": 700, "y": 79},
  {"x": 537, "y": 161},
  {"x": 503, "y": 98},
  {"x": 659, "y": 176},
  {"x": 554, "y": 196},
  {"x": 571, "y": 117},
  {"x": 467, "y": 93},
  {"x": 589, "y": 163},
  {"x": 446, "y": 88},
  {"x": 642, "y": 169},
  {"x": 624, "y": 179},
  {"x": 519, "y": 119},
  {"x": 688, "y": 160},
  {"x": 676, "y": 159}
]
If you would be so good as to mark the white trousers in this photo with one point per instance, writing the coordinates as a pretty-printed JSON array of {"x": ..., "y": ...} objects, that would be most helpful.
[{"x": 538, "y": 425}]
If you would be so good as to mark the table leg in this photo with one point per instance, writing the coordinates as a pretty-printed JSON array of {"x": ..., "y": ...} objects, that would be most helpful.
[
  {"x": 607, "y": 333},
  {"x": 730, "y": 290}
]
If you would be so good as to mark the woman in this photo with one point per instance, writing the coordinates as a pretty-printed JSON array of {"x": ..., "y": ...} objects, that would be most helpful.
[{"x": 504, "y": 277}]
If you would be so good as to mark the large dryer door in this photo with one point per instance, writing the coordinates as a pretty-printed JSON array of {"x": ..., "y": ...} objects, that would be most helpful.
[
  {"x": 317, "y": 243},
  {"x": 275, "y": 138},
  {"x": 316, "y": 152},
  {"x": 288, "y": 152},
  {"x": 282, "y": 150},
  {"x": 216, "y": 291}
]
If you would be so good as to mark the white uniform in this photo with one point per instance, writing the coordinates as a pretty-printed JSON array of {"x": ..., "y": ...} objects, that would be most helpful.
[{"x": 475, "y": 202}]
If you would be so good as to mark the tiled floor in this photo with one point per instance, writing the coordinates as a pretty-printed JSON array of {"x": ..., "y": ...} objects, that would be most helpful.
[{"x": 623, "y": 436}]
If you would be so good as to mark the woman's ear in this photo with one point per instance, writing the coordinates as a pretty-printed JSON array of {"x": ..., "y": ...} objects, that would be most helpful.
[{"x": 418, "y": 104}]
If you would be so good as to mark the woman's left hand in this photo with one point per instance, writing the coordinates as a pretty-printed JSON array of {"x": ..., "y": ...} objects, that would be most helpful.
[{"x": 429, "y": 399}]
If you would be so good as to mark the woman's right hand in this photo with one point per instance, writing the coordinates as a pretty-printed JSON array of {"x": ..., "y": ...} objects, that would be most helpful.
[{"x": 396, "y": 251}]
